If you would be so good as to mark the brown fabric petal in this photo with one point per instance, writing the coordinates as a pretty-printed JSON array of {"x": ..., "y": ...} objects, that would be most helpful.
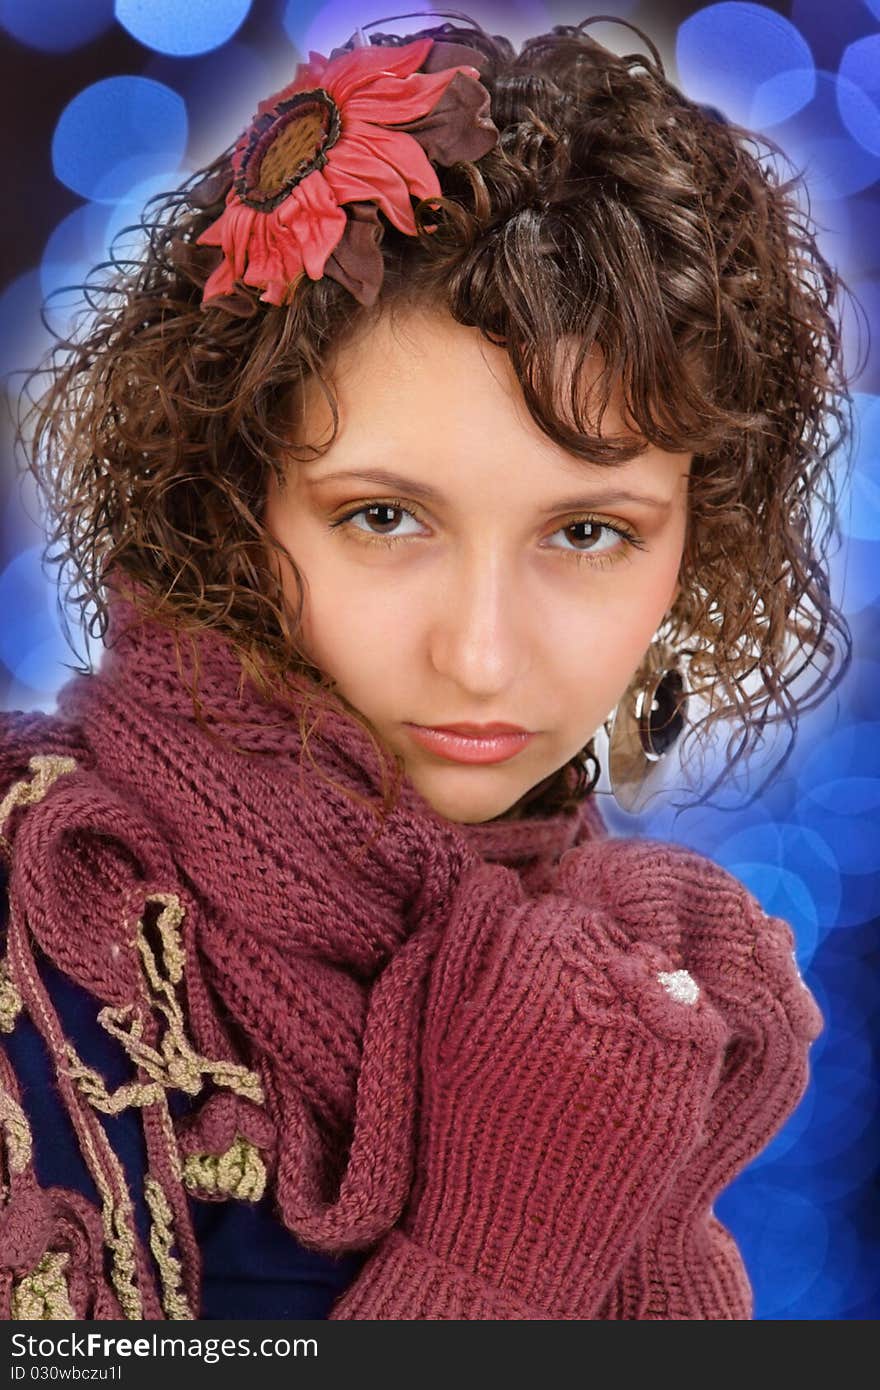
[
  {"x": 211, "y": 189},
  {"x": 442, "y": 55},
  {"x": 459, "y": 127},
  {"x": 357, "y": 261},
  {"x": 195, "y": 262},
  {"x": 453, "y": 55}
]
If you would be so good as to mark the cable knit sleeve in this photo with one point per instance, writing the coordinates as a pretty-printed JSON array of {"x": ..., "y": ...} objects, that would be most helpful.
[
  {"x": 564, "y": 1085},
  {"x": 648, "y": 1247},
  {"x": 686, "y": 1264}
]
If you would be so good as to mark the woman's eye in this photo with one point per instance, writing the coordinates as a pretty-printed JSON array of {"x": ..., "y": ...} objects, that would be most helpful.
[
  {"x": 588, "y": 537},
  {"x": 383, "y": 518}
]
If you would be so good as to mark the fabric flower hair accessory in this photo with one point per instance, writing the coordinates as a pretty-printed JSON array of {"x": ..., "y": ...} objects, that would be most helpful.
[{"x": 351, "y": 136}]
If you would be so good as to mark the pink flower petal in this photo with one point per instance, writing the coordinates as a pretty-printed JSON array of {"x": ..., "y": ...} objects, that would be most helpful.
[
  {"x": 287, "y": 252},
  {"x": 279, "y": 291},
  {"x": 344, "y": 76},
  {"x": 231, "y": 231},
  {"x": 390, "y": 101},
  {"x": 263, "y": 264},
  {"x": 220, "y": 281},
  {"x": 403, "y": 153},
  {"x": 307, "y": 76},
  {"x": 355, "y": 175},
  {"x": 349, "y": 187},
  {"x": 213, "y": 235},
  {"x": 234, "y": 225},
  {"x": 319, "y": 225},
  {"x": 284, "y": 250},
  {"x": 240, "y": 234},
  {"x": 274, "y": 261}
]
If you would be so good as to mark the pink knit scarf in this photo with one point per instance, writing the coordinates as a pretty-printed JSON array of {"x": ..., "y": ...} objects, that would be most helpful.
[{"x": 195, "y": 891}]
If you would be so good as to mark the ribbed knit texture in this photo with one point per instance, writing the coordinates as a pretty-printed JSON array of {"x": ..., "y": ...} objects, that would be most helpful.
[
  {"x": 490, "y": 1068},
  {"x": 670, "y": 1094}
]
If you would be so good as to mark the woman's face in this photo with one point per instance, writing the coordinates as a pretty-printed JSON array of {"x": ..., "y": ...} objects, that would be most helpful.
[{"x": 460, "y": 567}]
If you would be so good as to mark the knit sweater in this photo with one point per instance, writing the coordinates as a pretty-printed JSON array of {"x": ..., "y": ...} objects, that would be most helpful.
[
  {"x": 508, "y": 1066},
  {"x": 253, "y": 1266}
]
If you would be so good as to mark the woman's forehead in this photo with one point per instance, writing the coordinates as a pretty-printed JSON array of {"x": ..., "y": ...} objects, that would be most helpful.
[
  {"x": 404, "y": 363},
  {"x": 428, "y": 407}
]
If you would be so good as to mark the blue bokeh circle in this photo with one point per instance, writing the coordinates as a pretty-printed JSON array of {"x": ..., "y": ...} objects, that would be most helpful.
[
  {"x": 182, "y": 27},
  {"x": 111, "y": 123}
]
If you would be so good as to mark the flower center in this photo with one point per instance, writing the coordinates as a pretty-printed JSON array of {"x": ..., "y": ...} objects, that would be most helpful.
[{"x": 285, "y": 145}]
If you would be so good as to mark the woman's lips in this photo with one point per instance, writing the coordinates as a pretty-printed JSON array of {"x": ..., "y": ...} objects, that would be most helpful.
[{"x": 460, "y": 747}]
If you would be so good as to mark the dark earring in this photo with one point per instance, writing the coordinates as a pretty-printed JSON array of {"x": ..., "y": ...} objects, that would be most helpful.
[{"x": 645, "y": 725}]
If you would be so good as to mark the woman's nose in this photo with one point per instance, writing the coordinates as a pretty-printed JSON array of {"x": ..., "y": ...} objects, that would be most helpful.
[{"x": 479, "y": 633}]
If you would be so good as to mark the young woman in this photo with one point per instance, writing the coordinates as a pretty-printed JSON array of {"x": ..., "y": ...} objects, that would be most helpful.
[{"x": 471, "y": 395}]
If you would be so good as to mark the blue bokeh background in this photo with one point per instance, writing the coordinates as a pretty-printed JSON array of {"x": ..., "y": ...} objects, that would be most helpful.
[{"x": 133, "y": 96}]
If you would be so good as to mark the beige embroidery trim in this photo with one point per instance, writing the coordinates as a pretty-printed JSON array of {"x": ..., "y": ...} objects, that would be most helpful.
[
  {"x": 43, "y": 1294},
  {"x": 16, "y": 1132},
  {"x": 239, "y": 1172},
  {"x": 10, "y": 1000},
  {"x": 175, "y": 1064},
  {"x": 46, "y": 767},
  {"x": 161, "y": 1239}
]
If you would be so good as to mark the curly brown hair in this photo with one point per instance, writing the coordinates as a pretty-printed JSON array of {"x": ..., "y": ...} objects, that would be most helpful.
[{"x": 615, "y": 213}]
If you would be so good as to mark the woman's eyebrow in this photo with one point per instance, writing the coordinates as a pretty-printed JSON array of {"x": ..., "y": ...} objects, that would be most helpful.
[{"x": 427, "y": 493}]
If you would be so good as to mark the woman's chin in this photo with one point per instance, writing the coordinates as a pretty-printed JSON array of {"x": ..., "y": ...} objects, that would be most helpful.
[{"x": 469, "y": 795}]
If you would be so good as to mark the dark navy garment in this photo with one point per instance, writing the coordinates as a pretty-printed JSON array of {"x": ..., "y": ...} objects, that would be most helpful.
[{"x": 252, "y": 1266}]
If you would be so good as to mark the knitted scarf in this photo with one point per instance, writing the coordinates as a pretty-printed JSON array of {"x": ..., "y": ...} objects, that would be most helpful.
[{"x": 203, "y": 883}]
